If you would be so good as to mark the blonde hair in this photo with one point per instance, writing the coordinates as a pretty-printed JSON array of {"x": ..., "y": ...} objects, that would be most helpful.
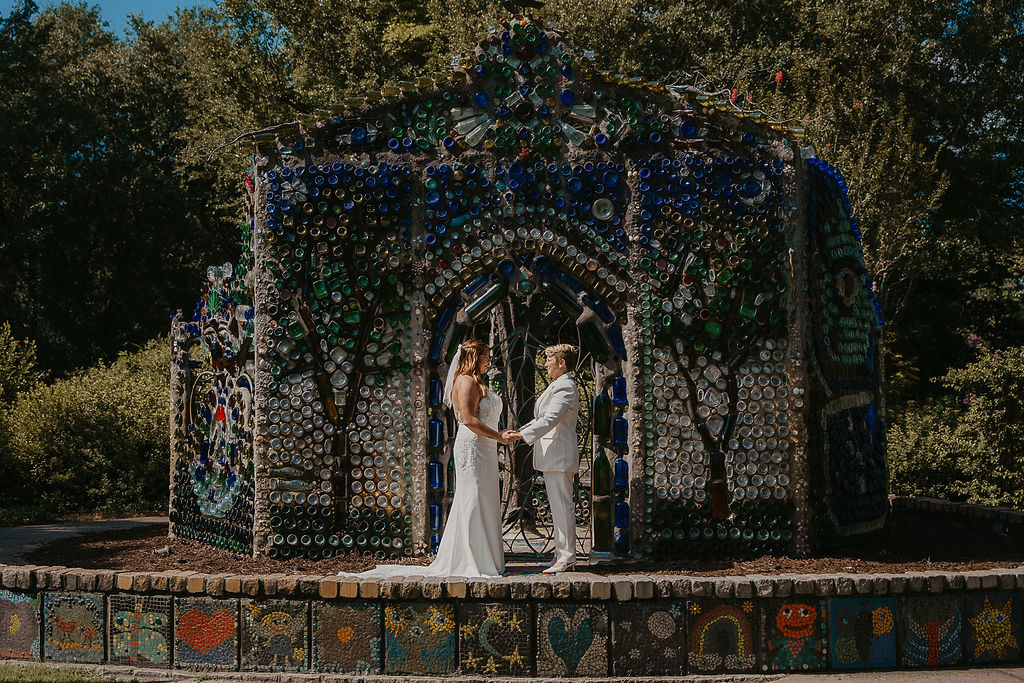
[
  {"x": 472, "y": 351},
  {"x": 568, "y": 352}
]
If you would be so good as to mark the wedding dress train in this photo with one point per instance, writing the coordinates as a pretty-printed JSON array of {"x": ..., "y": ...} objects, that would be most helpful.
[{"x": 471, "y": 544}]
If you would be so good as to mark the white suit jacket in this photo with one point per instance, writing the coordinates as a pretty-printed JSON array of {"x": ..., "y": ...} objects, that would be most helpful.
[{"x": 552, "y": 432}]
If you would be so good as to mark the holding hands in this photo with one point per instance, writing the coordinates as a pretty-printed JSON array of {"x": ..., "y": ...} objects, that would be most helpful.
[{"x": 508, "y": 436}]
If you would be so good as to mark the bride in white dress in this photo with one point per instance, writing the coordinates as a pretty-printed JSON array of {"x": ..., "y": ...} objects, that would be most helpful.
[{"x": 471, "y": 544}]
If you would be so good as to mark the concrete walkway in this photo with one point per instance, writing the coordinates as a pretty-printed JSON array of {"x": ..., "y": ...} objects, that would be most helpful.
[
  {"x": 18, "y": 541},
  {"x": 996, "y": 675}
]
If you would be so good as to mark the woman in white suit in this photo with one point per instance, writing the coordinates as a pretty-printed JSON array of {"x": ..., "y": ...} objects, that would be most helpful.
[{"x": 552, "y": 433}]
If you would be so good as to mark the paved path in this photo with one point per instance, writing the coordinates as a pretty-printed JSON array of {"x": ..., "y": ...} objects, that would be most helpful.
[
  {"x": 998, "y": 675},
  {"x": 18, "y": 541}
]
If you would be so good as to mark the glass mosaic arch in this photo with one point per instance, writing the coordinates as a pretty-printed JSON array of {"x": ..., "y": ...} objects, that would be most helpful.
[{"x": 709, "y": 268}]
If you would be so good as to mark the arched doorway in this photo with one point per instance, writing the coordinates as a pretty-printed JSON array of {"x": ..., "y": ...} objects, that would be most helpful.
[{"x": 525, "y": 303}]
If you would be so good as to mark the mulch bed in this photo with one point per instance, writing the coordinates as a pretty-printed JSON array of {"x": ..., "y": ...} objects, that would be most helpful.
[{"x": 913, "y": 542}]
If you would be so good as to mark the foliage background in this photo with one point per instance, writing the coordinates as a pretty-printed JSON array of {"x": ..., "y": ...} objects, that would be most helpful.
[{"x": 117, "y": 188}]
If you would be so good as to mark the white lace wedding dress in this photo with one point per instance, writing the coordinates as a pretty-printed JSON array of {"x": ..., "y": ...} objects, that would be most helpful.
[{"x": 471, "y": 544}]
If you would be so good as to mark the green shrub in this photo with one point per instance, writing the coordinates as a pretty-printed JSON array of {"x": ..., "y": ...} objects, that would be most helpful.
[
  {"x": 17, "y": 373},
  {"x": 969, "y": 448},
  {"x": 98, "y": 440},
  {"x": 18, "y": 370}
]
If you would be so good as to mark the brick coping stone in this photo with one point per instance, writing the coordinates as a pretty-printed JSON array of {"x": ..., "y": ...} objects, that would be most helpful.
[{"x": 574, "y": 586}]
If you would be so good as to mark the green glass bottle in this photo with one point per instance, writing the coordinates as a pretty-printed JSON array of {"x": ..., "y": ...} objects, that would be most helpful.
[
  {"x": 602, "y": 416},
  {"x": 602, "y": 501}
]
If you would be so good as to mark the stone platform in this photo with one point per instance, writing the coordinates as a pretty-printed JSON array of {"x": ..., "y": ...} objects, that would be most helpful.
[{"x": 572, "y": 625}]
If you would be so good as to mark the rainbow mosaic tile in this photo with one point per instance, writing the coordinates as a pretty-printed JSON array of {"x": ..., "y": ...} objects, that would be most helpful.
[
  {"x": 722, "y": 636},
  {"x": 73, "y": 627},
  {"x": 572, "y": 640},
  {"x": 206, "y": 633},
  {"x": 275, "y": 635},
  {"x": 347, "y": 637}
]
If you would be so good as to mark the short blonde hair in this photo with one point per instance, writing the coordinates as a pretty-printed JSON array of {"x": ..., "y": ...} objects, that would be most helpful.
[{"x": 568, "y": 352}]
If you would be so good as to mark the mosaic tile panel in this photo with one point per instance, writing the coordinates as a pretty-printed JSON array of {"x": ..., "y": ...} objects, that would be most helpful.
[
  {"x": 572, "y": 640},
  {"x": 862, "y": 632},
  {"x": 275, "y": 635},
  {"x": 420, "y": 638},
  {"x": 346, "y": 637},
  {"x": 140, "y": 630},
  {"x": 19, "y": 625},
  {"x": 992, "y": 627},
  {"x": 206, "y": 633},
  {"x": 495, "y": 640},
  {"x": 73, "y": 627},
  {"x": 648, "y": 639},
  {"x": 793, "y": 635},
  {"x": 931, "y": 628},
  {"x": 722, "y": 636}
]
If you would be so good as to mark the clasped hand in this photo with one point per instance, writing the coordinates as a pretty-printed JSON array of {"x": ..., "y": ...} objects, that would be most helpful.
[{"x": 508, "y": 436}]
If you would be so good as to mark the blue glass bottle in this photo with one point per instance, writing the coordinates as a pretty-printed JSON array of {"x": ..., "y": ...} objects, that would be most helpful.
[
  {"x": 621, "y": 473},
  {"x": 619, "y": 391},
  {"x": 506, "y": 267},
  {"x": 486, "y": 301},
  {"x": 622, "y": 514},
  {"x": 435, "y": 347},
  {"x": 475, "y": 285},
  {"x": 620, "y": 430},
  {"x": 615, "y": 334},
  {"x": 435, "y": 540},
  {"x": 603, "y": 312},
  {"x": 436, "y": 391},
  {"x": 572, "y": 282},
  {"x": 435, "y": 474},
  {"x": 435, "y": 517},
  {"x": 445, "y": 319},
  {"x": 436, "y": 430}
]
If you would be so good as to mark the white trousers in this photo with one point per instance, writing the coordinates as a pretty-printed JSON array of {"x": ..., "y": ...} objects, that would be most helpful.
[{"x": 563, "y": 514}]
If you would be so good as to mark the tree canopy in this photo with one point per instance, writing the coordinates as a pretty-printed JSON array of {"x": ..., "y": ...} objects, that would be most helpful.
[{"x": 117, "y": 186}]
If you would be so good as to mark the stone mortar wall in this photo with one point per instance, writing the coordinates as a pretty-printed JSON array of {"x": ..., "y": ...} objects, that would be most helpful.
[{"x": 1012, "y": 519}]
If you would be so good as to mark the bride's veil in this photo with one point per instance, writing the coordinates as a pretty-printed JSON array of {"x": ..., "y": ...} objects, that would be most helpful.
[{"x": 449, "y": 381}]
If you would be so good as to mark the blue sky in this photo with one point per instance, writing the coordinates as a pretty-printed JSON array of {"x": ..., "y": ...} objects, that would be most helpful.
[{"x": 115, "y": 12}]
